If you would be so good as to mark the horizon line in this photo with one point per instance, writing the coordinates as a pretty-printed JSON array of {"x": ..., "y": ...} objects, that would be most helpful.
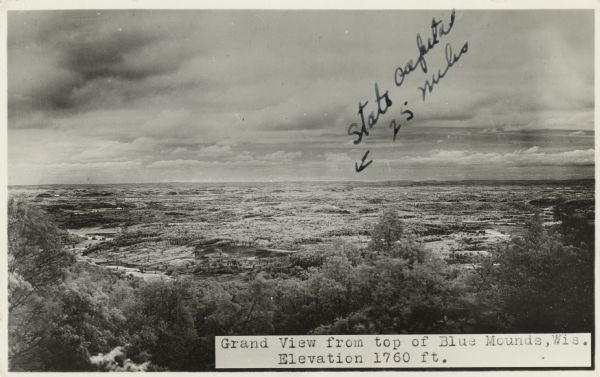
[{"x": 430, "y": 181}]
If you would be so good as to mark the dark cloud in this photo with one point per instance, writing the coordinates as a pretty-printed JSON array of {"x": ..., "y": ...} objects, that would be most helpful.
[
  {"x": 217, "y": 89},
  {"x": 104, "y": 56},
  {"x": 88, "y": 61}
]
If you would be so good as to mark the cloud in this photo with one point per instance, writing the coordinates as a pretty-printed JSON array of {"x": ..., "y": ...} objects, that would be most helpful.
[
  {"x": 168, "y": 164},
  {"x": 529, "y": 157},
  {"x": 503, "y": 129},
  {"x": 241, "y": 89},
  {"x": 337, "y": 157},
  {"x": 281, "y": 156},
  {"x": 79, "y": 165},
  {"x": 215, "y": 151},
  {"x": 181, "y": 150},
  {"x": 577, "y": 133},
  {"x": 71, "y": 61},
  {"x": 491, "y": 130},
  {"x": 140, "y": 148},
  {"x": 241, "y": 159}
]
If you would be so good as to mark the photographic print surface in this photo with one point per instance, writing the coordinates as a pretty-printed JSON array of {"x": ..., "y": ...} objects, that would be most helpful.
[{"x": 180, "y": 175}]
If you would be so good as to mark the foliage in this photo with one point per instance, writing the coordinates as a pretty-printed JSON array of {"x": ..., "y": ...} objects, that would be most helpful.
[
  {"x": 36, "y": 262},
  {"x": 386, "y": 232},
  {"x": 576, "y": 224},
  {"x": 537, "y": 284},
  {"x": 83, "y": 317},
  {"x": 36, "y": 258}
]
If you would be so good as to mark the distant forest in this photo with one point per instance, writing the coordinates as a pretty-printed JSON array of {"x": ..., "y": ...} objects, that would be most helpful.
[{"x": 70, "y": 316}]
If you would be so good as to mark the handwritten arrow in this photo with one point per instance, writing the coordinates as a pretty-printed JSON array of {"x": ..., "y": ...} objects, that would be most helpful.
[{"x": 362, "y": 166}]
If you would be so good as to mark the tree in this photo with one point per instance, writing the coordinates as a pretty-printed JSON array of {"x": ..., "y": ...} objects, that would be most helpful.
[
  {"x": 396, "y": 295},
  {"x": 576, "y": 219},
  {"x": 539, "y": 284},
  {"x": 60, "y": 328},
  {"x": 292, "y": 298},
  {"x": 386, "y": 232},
  {"x": 162, "y": 325},
  {"x": 36, "y": 258},
  {"x": 36, "y": 266}
]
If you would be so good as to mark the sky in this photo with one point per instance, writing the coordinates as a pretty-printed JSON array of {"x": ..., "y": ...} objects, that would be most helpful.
[{"x": 241, "y": 95}]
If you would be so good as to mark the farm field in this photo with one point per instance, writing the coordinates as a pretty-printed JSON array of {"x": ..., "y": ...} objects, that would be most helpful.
[{"x": 158, "y": 230}]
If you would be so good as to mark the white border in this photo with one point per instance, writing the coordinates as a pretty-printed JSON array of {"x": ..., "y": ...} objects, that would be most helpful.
[
  {"x": 16, "y": 5},
  {"x": 299, "y": 4}
]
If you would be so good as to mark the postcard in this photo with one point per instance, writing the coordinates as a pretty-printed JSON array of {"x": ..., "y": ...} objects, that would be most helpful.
[{"x": 225, "y": 188}]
